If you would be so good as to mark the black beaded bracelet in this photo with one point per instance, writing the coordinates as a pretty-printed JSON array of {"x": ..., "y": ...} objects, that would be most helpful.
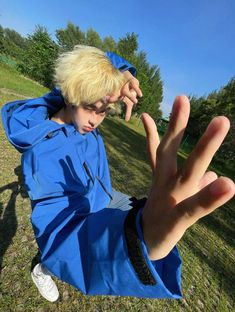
[{"x": 134, "y": 244}]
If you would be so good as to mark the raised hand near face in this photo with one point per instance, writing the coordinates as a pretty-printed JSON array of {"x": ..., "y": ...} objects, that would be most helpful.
[
  {"x": 180, "y": 196},
  {"x": 129, "y": 92}
]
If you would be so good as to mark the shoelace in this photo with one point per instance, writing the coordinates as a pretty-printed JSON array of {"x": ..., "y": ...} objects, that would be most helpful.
[{"x": 44, "y": 281}]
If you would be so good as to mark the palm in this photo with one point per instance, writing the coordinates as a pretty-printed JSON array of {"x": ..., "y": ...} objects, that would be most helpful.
[{"x": 180, "y": 196}]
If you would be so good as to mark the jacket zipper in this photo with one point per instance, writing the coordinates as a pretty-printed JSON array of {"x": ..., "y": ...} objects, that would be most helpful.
[
  {"x": 88, "y": 172},
  {"x": 101, "y": 183},
  {"x": 104, "y": 188}
]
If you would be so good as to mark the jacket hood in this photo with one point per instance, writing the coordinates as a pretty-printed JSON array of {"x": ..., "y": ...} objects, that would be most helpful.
[{"x": 27, "y": 122}]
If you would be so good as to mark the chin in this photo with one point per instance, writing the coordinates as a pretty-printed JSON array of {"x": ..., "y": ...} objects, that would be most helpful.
[{"x": 81, "y": 131}]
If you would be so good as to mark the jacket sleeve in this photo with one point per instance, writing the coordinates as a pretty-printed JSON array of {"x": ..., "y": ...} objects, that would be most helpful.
[
  {"x": 120, "y": 63},
  {"x": 106, "y": 255}
]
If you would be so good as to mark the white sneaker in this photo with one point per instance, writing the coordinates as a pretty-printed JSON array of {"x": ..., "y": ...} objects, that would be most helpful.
[{"x": 44, "y": 283}]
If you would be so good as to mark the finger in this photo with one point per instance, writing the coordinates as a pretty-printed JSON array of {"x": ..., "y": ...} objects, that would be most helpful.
[
  {"x": 129, "y": 93},
  {"x": 200, "y": 158},
  {"x": 205, "y": 201},
  {"x": 208, "y": 178},
  {"x": 152, "y": 138},
  {"x": 161, "y": 236},
  {"x": 129, "y": 106},
  {"x": 133, "y": 83},
  {"x": 135, "y": 86},
  {"x": 167, "y": 150},
  {"x": 133, "y": 93},
  {"x": 110, "y": 99}
]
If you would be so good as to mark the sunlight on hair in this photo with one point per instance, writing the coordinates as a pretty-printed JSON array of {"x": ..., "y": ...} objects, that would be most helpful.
[{"x": 85, "y": 75}]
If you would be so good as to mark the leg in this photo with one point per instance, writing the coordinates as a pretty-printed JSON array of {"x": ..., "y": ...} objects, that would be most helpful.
[{"x": 120, "y": 201}]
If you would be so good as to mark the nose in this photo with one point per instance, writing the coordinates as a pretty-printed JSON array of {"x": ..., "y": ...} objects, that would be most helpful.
[
  {"x": 91, "y": 123},
  {"x": 93, "y": 119}
]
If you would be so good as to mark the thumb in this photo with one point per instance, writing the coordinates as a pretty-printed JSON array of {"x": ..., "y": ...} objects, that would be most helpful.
[{"x": 152, "y": 138}]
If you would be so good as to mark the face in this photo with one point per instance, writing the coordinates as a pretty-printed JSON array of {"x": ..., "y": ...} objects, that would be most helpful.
[{"x": 87, "y": 117}]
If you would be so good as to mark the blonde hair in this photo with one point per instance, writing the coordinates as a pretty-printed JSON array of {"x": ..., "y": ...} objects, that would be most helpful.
[{"x": 85, "y": 75}]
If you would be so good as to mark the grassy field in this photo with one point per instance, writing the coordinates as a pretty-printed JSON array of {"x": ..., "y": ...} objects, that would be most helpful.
[{"x": 207, "y": 249}]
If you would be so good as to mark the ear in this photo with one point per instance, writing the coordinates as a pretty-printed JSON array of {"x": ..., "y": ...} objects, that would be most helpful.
[
  {"x": 69, "y": 105},
  {"x": 66, "y": 102}
]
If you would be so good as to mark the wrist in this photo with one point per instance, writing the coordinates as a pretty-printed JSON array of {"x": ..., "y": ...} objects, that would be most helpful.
[{"x": 128, "y": 75}]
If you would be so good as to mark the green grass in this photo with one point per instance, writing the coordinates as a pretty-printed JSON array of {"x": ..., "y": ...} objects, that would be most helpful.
[
  {"x": 12, "y": 81},
  {"x": 207, "y": 249}
]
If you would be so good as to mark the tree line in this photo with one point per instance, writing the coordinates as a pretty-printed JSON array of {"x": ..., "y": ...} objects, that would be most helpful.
[
  {"x": 34, "y": 57},
  {"x": 203, "y": 109},
  {"x": 36, "y": 54}
]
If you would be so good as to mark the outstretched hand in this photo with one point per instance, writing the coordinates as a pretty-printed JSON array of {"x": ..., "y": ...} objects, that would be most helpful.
[{"x": 180, "y": 196}]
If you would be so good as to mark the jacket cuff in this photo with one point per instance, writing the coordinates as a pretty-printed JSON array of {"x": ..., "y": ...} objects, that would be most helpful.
[
  {"x": 120, "y": 63},
  {"x": 164, "y": 273}
]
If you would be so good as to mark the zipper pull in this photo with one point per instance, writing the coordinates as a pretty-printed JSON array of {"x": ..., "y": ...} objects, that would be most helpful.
[{"x": 88, "y": 172}]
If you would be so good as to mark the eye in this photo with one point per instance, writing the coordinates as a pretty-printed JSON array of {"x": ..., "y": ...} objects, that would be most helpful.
[
  {"x": 103, "y": 113},
  {"x": 89, "y": 108}
]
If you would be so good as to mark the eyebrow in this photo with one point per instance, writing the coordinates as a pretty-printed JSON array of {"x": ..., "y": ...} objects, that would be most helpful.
[
  {"x": 103, "y": 108},
  {"x": 91, "y": 105}
]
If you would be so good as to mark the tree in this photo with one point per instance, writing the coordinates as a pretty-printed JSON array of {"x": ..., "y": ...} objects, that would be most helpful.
[
  {"x": 128, "y": 45},
  {"x": 109, "y": 44},
  {"x": 203, "y": 109},
  {"x": 151, "y": 85},
  {"x": 93, "y": 39},
  {"x": 69, "y": 37},
  {"x": 15, "y": 37},
  {"x": 226, "y": 106},
  {"x": 12, "y": 43},
  {"x": 38, "y": 59},
  {"x": 1, "y": 39}
]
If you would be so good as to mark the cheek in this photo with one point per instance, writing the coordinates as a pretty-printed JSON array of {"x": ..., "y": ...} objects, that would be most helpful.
[
  {"x": 80, "y": 117},
  {"x": 101, "y": 119}
]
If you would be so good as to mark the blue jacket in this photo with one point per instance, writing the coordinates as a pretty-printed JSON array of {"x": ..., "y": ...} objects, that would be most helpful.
[{"x": 100, "y": 251}]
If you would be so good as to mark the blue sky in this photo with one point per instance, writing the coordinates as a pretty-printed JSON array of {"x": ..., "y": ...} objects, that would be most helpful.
[{"x": 193, "y": 42}]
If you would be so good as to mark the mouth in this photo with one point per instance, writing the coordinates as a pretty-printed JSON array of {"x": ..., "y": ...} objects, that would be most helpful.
[{"x": 88, "y": 129}]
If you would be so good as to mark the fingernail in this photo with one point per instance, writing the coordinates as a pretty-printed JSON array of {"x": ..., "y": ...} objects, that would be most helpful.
[{"x": 219, "y": 188}]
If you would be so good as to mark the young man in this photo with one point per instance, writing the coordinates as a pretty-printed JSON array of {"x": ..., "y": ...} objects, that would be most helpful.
[{"x": 83, "y": 241}]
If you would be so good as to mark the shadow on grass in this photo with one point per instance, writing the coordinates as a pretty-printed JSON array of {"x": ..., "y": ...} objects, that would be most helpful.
[
  {"x": 8, "y": 220},
  {"x": 126, "y": 152},
  {"x": 134, "y": 144},
  {"x": 222, "y": 264},
  {"x": 222, "y": 223}
]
